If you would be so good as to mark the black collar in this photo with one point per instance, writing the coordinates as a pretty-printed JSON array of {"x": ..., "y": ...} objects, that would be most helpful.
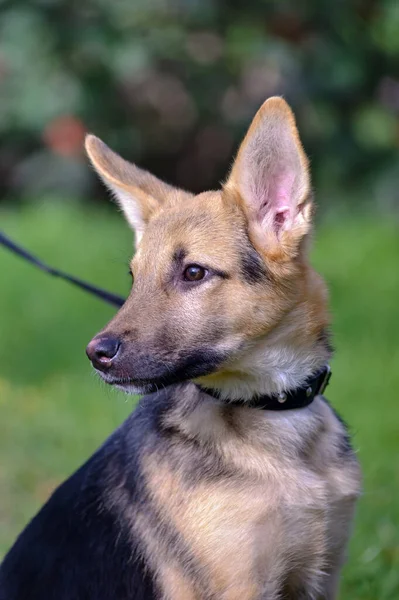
[{"x": 298, "y": 398}]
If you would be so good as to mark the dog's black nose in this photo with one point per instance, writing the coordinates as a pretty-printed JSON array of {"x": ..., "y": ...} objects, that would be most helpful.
[{"x": 102, "y": 351}]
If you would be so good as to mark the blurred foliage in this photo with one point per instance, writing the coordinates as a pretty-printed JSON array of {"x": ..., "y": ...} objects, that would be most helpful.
[{"x": 172, "y": 84}]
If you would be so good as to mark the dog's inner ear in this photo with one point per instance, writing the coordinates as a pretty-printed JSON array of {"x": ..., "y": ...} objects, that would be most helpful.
[
  {"x": 138, "y": 193},
  {"x": 270, "y": 174}
]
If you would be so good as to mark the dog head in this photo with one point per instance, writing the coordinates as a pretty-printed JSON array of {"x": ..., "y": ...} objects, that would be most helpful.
[{"x": 215, "y": 275}]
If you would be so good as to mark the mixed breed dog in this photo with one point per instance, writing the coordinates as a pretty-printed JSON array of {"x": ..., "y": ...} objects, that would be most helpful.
[{"x": 233, "y": 479}]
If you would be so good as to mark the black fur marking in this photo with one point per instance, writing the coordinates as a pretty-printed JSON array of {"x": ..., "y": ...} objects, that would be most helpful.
[
  {"x": 230, "y": 420},
  {"x": 81, "y": 544},
  {"x": 222, "y": 274},
  {"x": 152, "y": 373},
  {"x": 345, "y": 447},
  {"x": 324, "y": 338},
  {"x": 179, "y": 255},
  {"x": 76, "y": 547},
  {"x": 202, "y": 361},
  {"x": 196, "y": 461},
  {"x": 174, "y": 546},
  {"x": 160, "y": 441},
  {"x": 253, "y": 268},
  {"x": 299, "y": 593}
]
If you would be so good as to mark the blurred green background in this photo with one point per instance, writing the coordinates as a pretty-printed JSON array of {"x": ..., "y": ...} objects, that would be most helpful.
[{"x": 173, "y": 85}]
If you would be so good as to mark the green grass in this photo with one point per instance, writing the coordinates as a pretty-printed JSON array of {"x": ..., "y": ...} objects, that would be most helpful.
[{"x": 54, "y": 412}]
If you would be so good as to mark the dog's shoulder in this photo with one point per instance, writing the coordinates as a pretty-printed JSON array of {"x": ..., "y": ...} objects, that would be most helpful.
[
  {"x": 338, "y": 431},
  {"x": 78, "y": 546},
  {"x": 332, "y": 452}
]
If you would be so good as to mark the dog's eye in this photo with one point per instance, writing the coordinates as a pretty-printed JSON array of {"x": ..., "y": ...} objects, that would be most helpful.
[{"x": 194, "y": 273}]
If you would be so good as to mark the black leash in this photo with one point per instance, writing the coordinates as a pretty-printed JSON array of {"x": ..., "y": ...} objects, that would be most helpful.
[{"x": 88, "y": 287}]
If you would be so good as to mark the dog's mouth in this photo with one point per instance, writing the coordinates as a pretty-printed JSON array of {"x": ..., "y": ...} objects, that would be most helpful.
[
  {"x": 158, "y": 376},
  {"x": 134, "y": 386}
]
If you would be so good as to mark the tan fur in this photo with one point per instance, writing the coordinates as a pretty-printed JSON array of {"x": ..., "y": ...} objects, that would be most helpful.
[
  {"x": 299, "y": 498},
  {"x": 174, "y": 584},
  {"x": 277, "y": 526}
]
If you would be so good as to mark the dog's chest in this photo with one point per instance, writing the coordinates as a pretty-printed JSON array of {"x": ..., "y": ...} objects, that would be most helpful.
[
  {"x": 259, "y": 512},
  {"x": 244, "y": 534}
]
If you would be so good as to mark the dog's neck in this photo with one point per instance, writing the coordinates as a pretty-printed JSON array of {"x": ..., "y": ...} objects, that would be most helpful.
[{"x": 273, "y": 365}]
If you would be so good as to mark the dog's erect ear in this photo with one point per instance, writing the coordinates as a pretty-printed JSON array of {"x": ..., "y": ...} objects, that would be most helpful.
[
  {"x": 270, "y": 176},
  {"x": 137, "y": 192}
]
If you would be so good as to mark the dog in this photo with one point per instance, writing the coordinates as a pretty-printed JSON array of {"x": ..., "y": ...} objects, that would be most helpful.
[{"x": 233, "y": 479}]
